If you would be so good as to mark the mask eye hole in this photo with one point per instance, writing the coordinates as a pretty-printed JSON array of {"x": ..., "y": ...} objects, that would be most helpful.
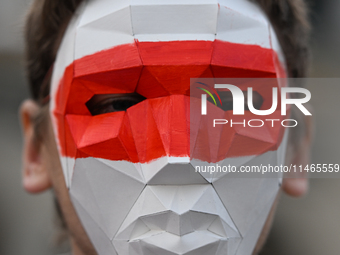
[
  {"x": 227, "y": 100},
  {"x": 106, "y": 103}
]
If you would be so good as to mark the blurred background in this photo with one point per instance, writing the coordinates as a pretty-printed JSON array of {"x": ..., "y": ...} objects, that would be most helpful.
[{"x": 309, "y": 225}]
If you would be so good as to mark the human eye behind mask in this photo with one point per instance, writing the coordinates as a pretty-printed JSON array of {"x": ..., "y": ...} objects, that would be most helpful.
[{"x": 107, "y": 103}]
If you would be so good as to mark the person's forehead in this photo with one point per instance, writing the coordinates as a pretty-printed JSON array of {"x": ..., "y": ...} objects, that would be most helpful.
[{"x": 115, "y": 35}]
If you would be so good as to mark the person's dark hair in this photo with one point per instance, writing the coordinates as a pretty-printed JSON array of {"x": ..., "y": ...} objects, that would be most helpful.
[
  {"x": 45, "y": 24},
  {"x": 290, "y": 21}
]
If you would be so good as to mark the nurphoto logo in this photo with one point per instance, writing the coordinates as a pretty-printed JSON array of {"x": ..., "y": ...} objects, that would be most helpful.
[{"x": 238, "y": 104}]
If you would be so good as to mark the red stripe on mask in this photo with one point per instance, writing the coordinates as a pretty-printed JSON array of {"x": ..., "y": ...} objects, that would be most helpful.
[{"x": 160, "y": 125}]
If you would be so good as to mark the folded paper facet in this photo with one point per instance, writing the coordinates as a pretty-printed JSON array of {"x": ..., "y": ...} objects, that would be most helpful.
[{"x": 189, "y": 217}]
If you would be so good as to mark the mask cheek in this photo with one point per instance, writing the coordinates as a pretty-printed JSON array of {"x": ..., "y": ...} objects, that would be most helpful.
[
  {"x": 248, "y": 201},
  {"x": 247, "y": 198},
  {"x": 103, "y": 192}
]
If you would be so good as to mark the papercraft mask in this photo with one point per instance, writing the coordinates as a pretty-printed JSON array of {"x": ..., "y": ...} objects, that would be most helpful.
[{"x": 130, "y": 173}]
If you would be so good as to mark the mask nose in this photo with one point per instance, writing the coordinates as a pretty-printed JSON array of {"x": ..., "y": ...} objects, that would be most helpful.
[
  {"x": 161, "y": 133},
  {"x": 161, "y": 127}
]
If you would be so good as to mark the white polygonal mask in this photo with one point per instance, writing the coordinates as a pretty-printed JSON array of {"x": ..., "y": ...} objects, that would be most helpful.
[{"x": 121, "y": 114}]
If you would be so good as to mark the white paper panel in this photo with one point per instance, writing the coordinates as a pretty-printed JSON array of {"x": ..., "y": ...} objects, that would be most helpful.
[
  {"x": 113, "y": 191},
  {"x": 98, "y": 9},
  {"x": 104, "y": 33},
  {"x": 246, "y": 8},
  {"x": 235, "y": 27},
  {"x": 100, "y": 241},
  {"x": 169, "y": 18}
]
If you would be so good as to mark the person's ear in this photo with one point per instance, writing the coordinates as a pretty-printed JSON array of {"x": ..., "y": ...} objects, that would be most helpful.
[
  {"x": 297, "y": 184},
  {"x": 35, "y": 175}
]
